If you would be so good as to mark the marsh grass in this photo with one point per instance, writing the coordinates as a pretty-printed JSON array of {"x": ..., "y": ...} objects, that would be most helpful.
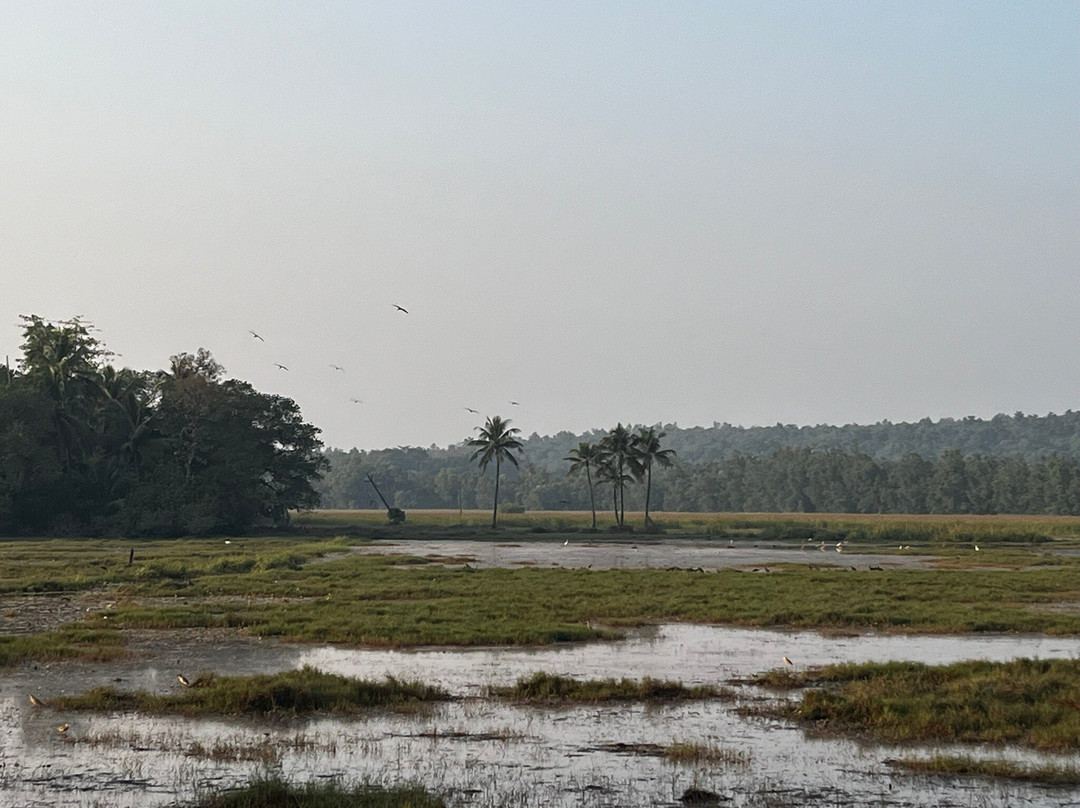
[
  {"x": 89, "y": 645},
  {"x": 275, "y": 793},
  {"x": 1033, "y": 703},
  {"x": 301, "y": 691},
  {"x": 960, "y": 766},
  {"x": 546, "y": 688},
  {"x": 693, "y": 753},
  {"x": 271, "y": 588}
]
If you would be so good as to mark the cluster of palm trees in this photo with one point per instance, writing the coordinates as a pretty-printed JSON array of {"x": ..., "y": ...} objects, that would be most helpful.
[{"x": 621, "y": 457}]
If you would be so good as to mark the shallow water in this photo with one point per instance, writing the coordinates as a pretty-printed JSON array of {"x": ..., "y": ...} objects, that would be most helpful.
[{"x": 487, "y": 753}]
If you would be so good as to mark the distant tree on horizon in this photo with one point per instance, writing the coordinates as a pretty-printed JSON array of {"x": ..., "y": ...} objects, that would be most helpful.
[{"x": 646, "y": 446}]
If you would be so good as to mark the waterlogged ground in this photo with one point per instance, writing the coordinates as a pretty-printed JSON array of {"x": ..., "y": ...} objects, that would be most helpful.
[
  {"x": 484, "y": 752},
  {"x": 643, "y": 553}
]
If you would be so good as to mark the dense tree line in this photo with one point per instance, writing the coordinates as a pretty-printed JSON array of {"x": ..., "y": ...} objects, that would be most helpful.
[
  {"x": 89, "y": 448},
  {"x": 785, "y": 479}
]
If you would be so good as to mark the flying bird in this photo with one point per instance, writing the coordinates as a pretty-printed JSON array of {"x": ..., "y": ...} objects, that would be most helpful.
[
  {"x": 36, "y": 701},
  {"x": 399, "y": 308},
  {"x": 280, "y": 366},
  {"x": 356, "y": 401},
  {"x": 337, "y": 367},
  {"x": 183, "y": 680},
  {"x": 260, "y": 339},
  {"x": 474, "y": 412},
  {"x": 515, "y": 403}
]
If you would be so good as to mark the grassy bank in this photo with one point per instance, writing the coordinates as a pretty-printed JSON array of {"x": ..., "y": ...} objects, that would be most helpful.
[
  {"x": 1034, "y": 703},
  {"x": 301, "y": 691}
]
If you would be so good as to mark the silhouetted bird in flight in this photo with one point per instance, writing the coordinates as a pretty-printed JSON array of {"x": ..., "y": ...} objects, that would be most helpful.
[
  {"x": 336, "y": 367},
  {"x": 474, "y": 412},
  {"x": 356, "y": 401},
  {"x": 399, "y": 308},
  {"x": 260, "y": 339},
  {"x": 515, "y": 403},
  {"x": 281, "y": 367}
]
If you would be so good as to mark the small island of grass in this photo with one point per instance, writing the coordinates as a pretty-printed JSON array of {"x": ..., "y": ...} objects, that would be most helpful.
[
  {"x": 546, "y": 688},
  {"x": 1032, "y": 703},
  {"x": 299, "y": 691}
]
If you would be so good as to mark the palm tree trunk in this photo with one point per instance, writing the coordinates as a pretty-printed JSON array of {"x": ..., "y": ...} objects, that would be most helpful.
[
  {"x": 592, "y": 495},
  {"x": 648, "y": 491},
  {"x": 495, "y": 508}
]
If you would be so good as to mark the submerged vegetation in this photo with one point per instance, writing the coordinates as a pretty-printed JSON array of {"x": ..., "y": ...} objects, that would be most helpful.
[
  {"x": 299, "y": 691},
  {"x": 546, "y": 688},
  {"x": 949, "y": 765},
  {"x": 1034, "y": 703}
]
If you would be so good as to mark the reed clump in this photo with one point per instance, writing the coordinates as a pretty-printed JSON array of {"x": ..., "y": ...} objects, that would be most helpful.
[{"x": 275, "y": 793}]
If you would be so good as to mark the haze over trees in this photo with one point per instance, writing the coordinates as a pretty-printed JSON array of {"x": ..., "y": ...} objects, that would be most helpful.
[
  {"x": 86, "y": 448},
  {"x": 1007, "y": 464}
]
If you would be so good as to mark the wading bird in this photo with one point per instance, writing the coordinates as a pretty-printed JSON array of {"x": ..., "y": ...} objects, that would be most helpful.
[
  {"x": 36, "y": 701},
  {"x": 183, "y": 680},
  {"x": 399, "y": 308},
  {"x": 63, "y": 728},
  {"x": 788, "y": 661}
]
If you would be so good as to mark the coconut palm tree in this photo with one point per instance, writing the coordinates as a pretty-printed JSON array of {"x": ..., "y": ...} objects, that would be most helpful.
[
  {"x": 585, "y": 456},
  {"x": 647, "y": 451},
  {"x": 618, "y": 462},
  {"x": 497, "y": 441}
]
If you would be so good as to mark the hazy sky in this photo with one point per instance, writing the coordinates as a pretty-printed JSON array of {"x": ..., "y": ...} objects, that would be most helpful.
[{"x": 753, "y": 212}]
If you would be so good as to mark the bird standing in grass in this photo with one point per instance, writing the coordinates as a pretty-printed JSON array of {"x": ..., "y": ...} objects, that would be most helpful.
[
  {"x": 183, "y": 680},
  {"x": 36, "y": 701}
]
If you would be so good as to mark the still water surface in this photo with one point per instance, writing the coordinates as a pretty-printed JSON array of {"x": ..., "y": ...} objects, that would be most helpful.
[{"x": 486, "y": 753}]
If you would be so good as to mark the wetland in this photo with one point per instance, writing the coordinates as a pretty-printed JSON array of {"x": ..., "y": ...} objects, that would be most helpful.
[{"x": 469, "y": 629}]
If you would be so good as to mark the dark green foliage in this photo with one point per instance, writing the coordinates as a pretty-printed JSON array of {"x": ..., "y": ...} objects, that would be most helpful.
[
  {"x": 278, "y": 794},
  {"x": 497, "y": 441},
  {"x": 300, "y": 691},
  {"x": 86, "y": 449}
]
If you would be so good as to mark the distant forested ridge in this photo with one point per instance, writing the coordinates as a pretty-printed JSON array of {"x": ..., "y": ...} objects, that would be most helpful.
[
  {"x": 1007, "y": 464},
  {"x": 89, "y": 449}
]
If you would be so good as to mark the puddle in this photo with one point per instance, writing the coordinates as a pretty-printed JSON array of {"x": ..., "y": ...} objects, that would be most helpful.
[
  {"x": 487, "y": 753},
  {"x": 587, "y": 553}
]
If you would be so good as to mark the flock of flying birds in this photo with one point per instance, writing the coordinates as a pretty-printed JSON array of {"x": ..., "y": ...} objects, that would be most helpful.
[{"x": 339, "y": 368}]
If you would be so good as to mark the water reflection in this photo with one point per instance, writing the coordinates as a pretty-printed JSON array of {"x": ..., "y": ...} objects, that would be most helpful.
[{"x": 487, "y": 753}]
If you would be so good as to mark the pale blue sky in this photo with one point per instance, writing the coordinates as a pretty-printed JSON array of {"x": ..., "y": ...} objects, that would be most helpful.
[{"x": 693, "y": 212}]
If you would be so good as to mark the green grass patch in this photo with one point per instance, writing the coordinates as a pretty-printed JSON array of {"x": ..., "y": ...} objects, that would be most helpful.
[
  {"x": 1033, "y": 703},
  {"x": 546, "y": 688},
  {"x": 994, "y": 769},
  {"x": 276, "y": 793},
  {"x": 299, "y": 691},
  {"x": 88, "y": 645}
]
